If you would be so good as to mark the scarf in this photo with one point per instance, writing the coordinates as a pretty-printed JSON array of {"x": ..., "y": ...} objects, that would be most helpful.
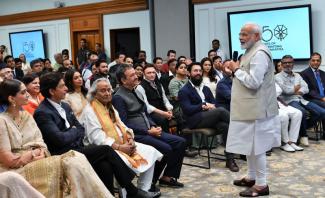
[{"x": 108, "y": 121}]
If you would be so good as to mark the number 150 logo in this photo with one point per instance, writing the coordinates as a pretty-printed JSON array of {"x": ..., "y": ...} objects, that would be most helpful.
[{"x": 279, "y": 32}]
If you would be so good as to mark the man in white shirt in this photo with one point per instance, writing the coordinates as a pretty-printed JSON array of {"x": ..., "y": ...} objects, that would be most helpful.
[
  {"x": 216, "y": 47},
  {"x": 254, "y": 124}
]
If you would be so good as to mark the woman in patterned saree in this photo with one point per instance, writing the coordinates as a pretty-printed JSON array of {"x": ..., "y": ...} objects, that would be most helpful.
[{"x": 23, "y": 151}]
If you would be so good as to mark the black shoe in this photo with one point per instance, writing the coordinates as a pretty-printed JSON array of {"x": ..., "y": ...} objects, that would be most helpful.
[
  {"x": 243, "y": 157},
  {"x": 172, "y": 183},
  {"x": 269, "y": 152},
  {"x": 154, "y": 188},
  {"x": 155, "y": 194},
  {"x": 231, "y": 164},
  {"x": 190, "y": 153},
  {"x": 144, "y": 194}
]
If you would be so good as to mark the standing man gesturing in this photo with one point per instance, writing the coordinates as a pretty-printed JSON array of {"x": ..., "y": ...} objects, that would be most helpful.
[{"x": 254, "y": 125}]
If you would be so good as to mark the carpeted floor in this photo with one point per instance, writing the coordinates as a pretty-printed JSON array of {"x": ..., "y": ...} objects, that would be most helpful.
[{"x": 299, "y": 174}]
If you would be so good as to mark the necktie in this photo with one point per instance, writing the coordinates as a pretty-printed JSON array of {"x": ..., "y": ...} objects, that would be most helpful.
[{"x": 319, "y": 83}]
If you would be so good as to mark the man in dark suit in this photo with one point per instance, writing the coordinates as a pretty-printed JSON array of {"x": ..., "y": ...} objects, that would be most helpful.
[
  {"x": 133, "y": 113},
  {"x": 198, "y": 105},
  {"x": 17, "y": 72},
  {"x": 62, "y": 132},
  {"x": 223, "y": 92},
  {"x": 166, "y": 77},
  {"x": 315, "y": 78}
]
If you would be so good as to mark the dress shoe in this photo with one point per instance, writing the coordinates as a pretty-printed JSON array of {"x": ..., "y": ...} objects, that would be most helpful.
[
  {"x": 154, "y": 188},
  {"x": 171, "y": 183},
  {"x": 190, "y": 153},
  {"x": 253, "y": 192},
  {"x": 244, "y": 182},
  {"x": 304, "y": 141},
  {"x": 297, "y": 148},
  {"x": 269, "y": 152},
  {"x": 231, "y": 164},
  {"x": 143, "y": 194},
  {"x": 287, "y": 147},
  {"x": 243, "y": 157}
]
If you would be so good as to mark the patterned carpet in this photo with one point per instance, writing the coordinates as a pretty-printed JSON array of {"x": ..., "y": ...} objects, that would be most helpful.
[{"x": 299, "y": 174}]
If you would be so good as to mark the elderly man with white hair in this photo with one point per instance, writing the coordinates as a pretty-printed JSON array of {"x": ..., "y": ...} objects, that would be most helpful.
[
  {"x": 254, "y": 125},
  {"x": 103, "y": 126}
]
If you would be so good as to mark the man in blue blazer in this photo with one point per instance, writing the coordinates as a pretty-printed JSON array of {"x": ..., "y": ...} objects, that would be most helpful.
[
  {"x": 315, "y": 78},
  {"x": 62, "y": 132},
  {"x": 223, "y": 92},
  {"x": 200, "y": 111}
]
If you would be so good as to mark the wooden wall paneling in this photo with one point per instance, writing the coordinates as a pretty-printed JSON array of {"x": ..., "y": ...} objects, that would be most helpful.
[
  {"x": 107, "y": 7},
  {"x": 208, "y": 1},
  {"x": 87, "y": 27}
]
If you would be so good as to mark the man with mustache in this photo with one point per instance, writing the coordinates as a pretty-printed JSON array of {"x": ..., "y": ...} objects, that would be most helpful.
[
  {"x": 294, "y": 87},
  {"x": 200, "y": 111},
  {"x": 254, "y": 124}
]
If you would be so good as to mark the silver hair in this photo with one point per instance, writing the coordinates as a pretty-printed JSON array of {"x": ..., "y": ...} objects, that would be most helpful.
[
  {"x": 93, "y": 89},
  {"x": 256, "y": 28}
]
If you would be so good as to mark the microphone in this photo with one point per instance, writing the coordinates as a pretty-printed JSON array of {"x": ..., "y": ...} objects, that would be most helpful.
[{"x": 235, "y": 56}]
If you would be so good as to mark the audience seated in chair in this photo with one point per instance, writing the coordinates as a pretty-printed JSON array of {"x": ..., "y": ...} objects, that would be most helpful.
[
  {"x": 315, "y": 79},
  {"x": 10, "y": 62},
  {"x": 102, "y": 71},
  {"x": 85, "y": 67},
  {"x": 6, "y": 72},
  {"x": 290, "y": 118},
  {"x": 133, "y": 113},
  {"x": 174, "y": 86},
  {"x": 31, "y": 82},
  {"x": 223, "y": 92},
  {"x": 76, "y": 95},
  {"x": 208, "y": 75},
  {"x": 103, "y": 126},
  {"x": 62, "y": 132},
  {"x": 166, "y": 77},
  {"x": 199, "y": 109},
  {"x": 28, "y": 155},
  {"x": 13, "y": 185},
  {"x": 153, "y": 93},
  {"x": 293, "y": 88},
  {"x": 218, "y": 67}
]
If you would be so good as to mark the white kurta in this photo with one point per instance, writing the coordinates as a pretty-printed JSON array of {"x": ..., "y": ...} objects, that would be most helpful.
[
  {"x": 256, "y": 136},
  {"x": 95, "y": 135}
]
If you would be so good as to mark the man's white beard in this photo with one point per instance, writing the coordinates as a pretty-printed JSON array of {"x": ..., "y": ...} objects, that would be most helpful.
[{"x": 248, "y": 44}]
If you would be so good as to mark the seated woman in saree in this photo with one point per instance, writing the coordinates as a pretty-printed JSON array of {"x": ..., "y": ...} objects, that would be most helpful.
[
  {"x": 104, "y": 127},
  {"x": 13, "y": 185},
  {"x": 23, "y": 151},
  {"x": 76, "y": 92},
  {"x": 31, "y": 82}
]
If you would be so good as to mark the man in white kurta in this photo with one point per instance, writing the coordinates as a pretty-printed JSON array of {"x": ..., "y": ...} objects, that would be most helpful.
[
  {"x": 95, "y": 134},
  {"x": 254, "y": 125}
]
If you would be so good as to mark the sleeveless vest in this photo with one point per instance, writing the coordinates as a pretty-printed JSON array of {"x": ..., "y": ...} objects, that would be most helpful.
[
  {"x": 135, "y": 107},
  {"x": 154, "y": 96},
  {"x": 253, "y": 104}
]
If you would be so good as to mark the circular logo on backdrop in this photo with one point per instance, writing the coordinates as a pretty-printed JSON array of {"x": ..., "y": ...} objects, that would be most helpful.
[{"x": 280, "y": 32}]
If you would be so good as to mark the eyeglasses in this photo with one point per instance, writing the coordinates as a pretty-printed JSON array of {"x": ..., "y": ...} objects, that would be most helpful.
[{"x": 288, "y": 63}]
